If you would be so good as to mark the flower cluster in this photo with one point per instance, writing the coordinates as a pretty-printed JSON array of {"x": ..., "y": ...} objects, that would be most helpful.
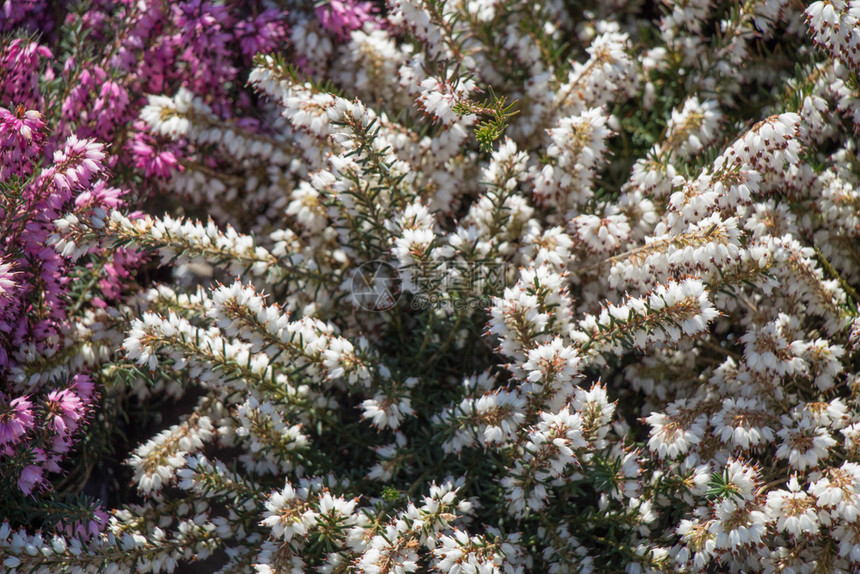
[
  {"x": 43, "y": 402},
  {"x": 431, "y": 286},
  {"x": 73, "y": 143}
]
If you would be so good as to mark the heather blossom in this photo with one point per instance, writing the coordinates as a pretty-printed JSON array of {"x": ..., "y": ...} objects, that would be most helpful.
[
  {"x": 16, "y": 420},
  {"x": 64, "y": 410},
  {"x": 340, "y": 17},
  {"x": 406, "y": 285}
]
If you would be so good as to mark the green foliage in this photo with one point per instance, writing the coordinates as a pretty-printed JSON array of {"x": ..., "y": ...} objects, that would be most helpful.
[
  {"x": 720, "y": 487},
  {"x": 497, "y": 113}
]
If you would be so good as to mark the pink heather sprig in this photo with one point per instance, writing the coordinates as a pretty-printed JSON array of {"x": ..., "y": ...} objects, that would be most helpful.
[
  {"x": 86, "y": 528},
  {"x": 20, "y": 62},
  {"x": 36, "y": 430},
  {"x": 118, "y": 271},
  {"x": 340, "y": 17},
  {"x": 10, "y": 305},
  {"x": 30, "y": 15},
  {"x": 16, "y": 418},
  {"x": 96, "y": 105},
  {"x": 155, "y": 157},
  {"x": 77, "y": 163},
  {"x": 10, "y": 285},
  {"x": 109, "y": 108},
  {"x": 28, "y": 222},
  {"x": 40, "y": 420},
  {"x": 202, "y": 42},
  {"x": 261, "y": 34},
  {"x": 64, "y": 409},
  {"x": 21, "y": 137}
]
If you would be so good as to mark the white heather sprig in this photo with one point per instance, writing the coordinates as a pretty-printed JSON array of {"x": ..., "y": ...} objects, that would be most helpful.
[
  {"x": 221, "y": 364},
  {"x": 188, "y": 116},
  {"x": 835, "y": 27},
  {"x": 184, "y": 238},
  {"x": 705, "y": 247},
  {"x": 694, "y": 127},
  {"x": 548, "y": 453},
  {"x": 608, "y": 73},
  {"x": 489, "y": 420},
  {"x": 578, "y": 145},
  {"x": 155, "y": 462},
  {"x": 676, "y": 431},
  {"x": 288, "y": 513},
  {"x": 308, "y": 344},
  {"x": 663, "y": 316},
  {"x": 263, "y": 426}
]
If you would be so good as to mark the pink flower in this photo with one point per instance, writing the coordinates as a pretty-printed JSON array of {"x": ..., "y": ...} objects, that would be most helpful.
[
  {"x": 15, "y": 420},
  {"x": 64, "y": 410},
  {"x": 86, "y": 529},
  {"x": 31, "y": 15},
  {"x": 100, "y": 195},
  {"x": 84, "y": 386},
  {"x": 153, "y": 159},
  {"x": 30, "y": 477},
  {"x": 60, "y": 445},
  {"x": 109, "y": 108},
  {"x": 340, "y": 17},
  {"x": 9, "y": 287},
  {"x": 263, "y": 33},
  {"x": 20, "y": 61},
  {"x": 78, "y": 162},
  {"x": 21, "y": 139},
  {"x": 119, "y": 269},
  {"x": 23, "y": 123}
]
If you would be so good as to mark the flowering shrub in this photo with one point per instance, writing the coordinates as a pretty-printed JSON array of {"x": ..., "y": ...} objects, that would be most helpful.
[
  {"x": 448, "y": 286},
  {"x": 70, "y": 111}
]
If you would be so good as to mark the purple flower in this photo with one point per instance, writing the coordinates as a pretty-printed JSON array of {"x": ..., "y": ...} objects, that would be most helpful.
[
  {"x": 86, "y": 529},
  {"x": 340, "y": 17},
  {"x": 117, "y": 270},
  {"x": 84, "y": 386},
  {"x": 16, "y": 419},
  {"x": 21, "y": 138},
  {"x": 263, "y": 33},
  {"x": 10, "y": 287},
  {"x": 20, "y": 62},
  {"x": 30, "y": 477},
  {"x": 205, "y": 42},
  {"x": 154, "y": 159},
  {"x": 109, "y": 109},
  {"x": 77, "y": 163},
  {"x": 31, "y": 15},
  {"x": 64, "y": 410},
  {"x": 100, "y": 195}
]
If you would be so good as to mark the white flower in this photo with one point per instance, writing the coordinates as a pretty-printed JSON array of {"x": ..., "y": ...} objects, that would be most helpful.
[
  {"x": 804, "y": 445},
  {"x": 837, "y": 491},
  {"x": 552, "y": 364},
  {"x": 601, "y": 235},
  {"x": 385, "y": 412},
  {"x": 677, "y": 431},
  {"x": 735, "y": 526},
  {"x": 395, "y": 552},
  {"x": 694, "y": 127},
  {"x": 793, "y": 510},
  {"x": 743, "y": 423},
  {"x": 287, "y": 513}
]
